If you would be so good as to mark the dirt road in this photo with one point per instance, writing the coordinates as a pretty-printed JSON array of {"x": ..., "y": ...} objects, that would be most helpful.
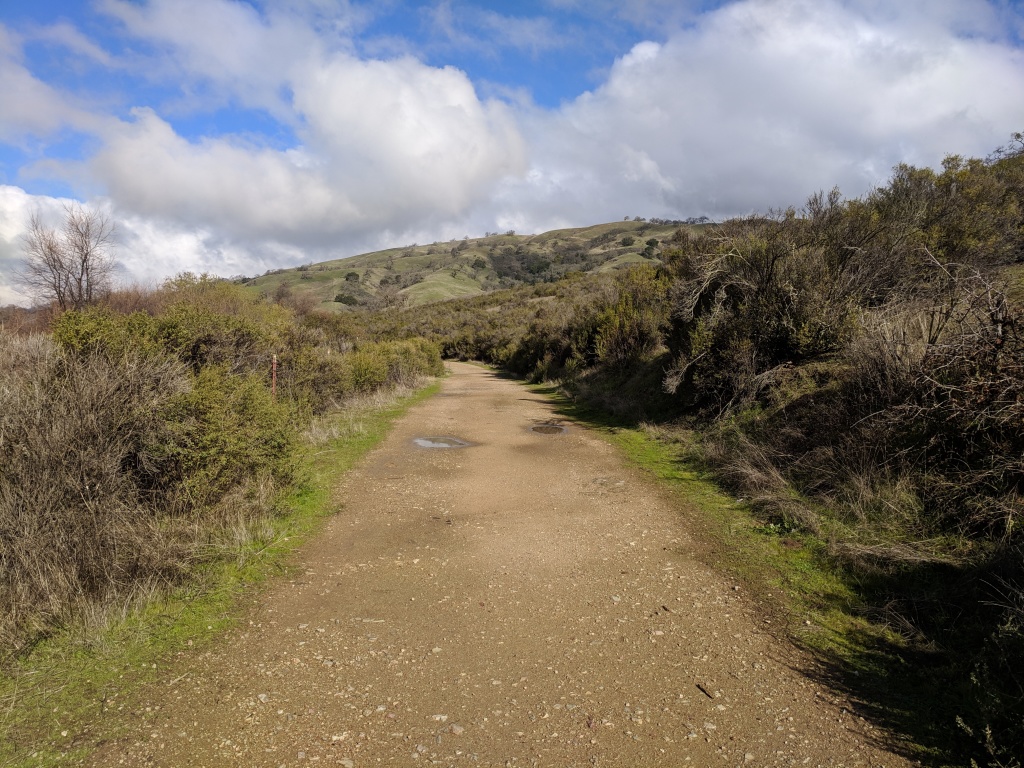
[{"x": 527, "y": 600}]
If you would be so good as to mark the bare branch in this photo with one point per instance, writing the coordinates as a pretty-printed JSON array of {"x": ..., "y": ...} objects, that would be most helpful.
[{"x": 73, "y": 266}]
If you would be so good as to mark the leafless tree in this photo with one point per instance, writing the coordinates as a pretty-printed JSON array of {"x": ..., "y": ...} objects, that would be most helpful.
[{"x": 73, "y": 265}]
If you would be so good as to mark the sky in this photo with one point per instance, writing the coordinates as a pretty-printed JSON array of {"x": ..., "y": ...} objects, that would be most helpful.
[{"x": 235, "y": 136}]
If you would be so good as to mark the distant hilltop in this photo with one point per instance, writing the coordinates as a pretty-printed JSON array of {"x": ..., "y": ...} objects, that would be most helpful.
[{"x": 420, "y": 274}]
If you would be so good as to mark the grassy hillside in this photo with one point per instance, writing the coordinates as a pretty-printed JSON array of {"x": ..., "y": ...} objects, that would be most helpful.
[{"x": 421, "y": 274}]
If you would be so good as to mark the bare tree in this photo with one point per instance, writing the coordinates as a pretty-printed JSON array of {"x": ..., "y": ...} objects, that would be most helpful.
[{"x": 73, "y": 265}]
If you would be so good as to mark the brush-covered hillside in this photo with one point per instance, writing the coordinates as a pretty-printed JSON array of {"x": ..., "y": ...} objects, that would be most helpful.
[{"x": 420, "y": 274}]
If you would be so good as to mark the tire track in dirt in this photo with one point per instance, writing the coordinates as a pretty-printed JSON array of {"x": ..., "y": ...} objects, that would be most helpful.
[{"x": 526, "y": 601}]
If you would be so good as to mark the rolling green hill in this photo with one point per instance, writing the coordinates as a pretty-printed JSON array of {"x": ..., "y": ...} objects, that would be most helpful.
[{"x": 420, "y": 274}]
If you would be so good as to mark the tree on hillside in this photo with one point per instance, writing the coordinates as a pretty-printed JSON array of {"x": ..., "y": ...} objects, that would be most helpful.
[{"x": 73, "y": 265}]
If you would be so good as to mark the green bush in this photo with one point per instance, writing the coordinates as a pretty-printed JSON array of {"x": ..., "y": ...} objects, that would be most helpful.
[
  {"x": 631, "y": 329},
  {"x": 221, "y": 431},
  {"x": 201, "y": 337},
  {"x": 390, "y": 364},
  {"x": 99, "y": 330}
]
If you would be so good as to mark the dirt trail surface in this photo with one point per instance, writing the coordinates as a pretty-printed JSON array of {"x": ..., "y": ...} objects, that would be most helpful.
[{"x": 528, "y": 600}]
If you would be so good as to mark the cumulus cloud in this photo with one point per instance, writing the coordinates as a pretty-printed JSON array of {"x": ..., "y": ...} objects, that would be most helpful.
[
  {"x": 763, "y": 102},
  {"x": 388, "y": 142},
  {"x": 150, "y": 170},
  {"x": 244, "y": 56},
  {"x": 410, "y": 138},
  {"x": 751, "y": 105},
  {"x": 147, "y": 249},
  {"x": 16, "y": 210}
]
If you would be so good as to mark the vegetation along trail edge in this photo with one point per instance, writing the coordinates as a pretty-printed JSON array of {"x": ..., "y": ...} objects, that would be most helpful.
[{"x": 527, "y": 600}]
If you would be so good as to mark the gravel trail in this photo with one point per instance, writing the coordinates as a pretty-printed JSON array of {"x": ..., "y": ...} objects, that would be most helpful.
[{"x": 528, "y": 600}]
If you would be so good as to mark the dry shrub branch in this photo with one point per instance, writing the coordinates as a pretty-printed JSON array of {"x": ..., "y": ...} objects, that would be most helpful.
[{"x": 135, "y": 447}]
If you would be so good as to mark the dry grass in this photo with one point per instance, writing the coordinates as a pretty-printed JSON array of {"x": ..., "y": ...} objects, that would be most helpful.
[
  {"x": 348, "y": 419},
  {"x": 77, "y": 441}
]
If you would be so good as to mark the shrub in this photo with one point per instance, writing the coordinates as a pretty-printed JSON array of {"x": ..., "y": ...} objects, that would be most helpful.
[
  {"x": 201, "y": 337},
  {"x": 390, "y": 364},
  {"x": 82, "y": 507},
  {"x": 221, "y": 431},
  {"x": 630, "y": 330}
]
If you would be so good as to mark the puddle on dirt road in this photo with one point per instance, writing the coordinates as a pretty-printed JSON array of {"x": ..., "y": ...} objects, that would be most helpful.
[
  {"x": 440, "y": 442},
  {"x": 549, "y": 429}
]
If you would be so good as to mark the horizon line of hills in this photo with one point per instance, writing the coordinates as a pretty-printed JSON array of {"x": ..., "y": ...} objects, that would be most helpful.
[{"x": 420, "y": 274}]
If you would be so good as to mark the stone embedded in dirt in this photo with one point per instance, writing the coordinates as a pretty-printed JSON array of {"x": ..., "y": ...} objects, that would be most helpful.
[{"x": 457, "y": 729}]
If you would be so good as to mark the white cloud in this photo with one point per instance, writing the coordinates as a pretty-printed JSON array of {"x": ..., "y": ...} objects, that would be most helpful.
[
  {"x": 64, "y": 34},
  {"x": 408, "y": 139},
  {"x": 386, "y": 144},
  {"x": 245, "y": 57},
  {"x": 763, "y": 102},
  {"x": 487, "y": 32},
  {"x": 31, "y": 108},
  {"x": 147, "y": 249},
  {"x": 247, "y": 192},
  {"x": 753, "y": 105}
]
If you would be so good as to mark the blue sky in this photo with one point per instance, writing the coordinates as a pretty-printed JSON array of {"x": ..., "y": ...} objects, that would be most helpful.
[{"x": 234, "y": 136}]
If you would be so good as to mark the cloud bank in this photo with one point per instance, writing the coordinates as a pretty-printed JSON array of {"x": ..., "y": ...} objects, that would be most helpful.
[{"x": 752, "y": 105}]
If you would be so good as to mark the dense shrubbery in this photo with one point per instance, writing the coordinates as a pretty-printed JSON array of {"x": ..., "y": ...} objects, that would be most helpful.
[
  {"x": 81, "y": 496},
  {"x": 131, "y": 443}
]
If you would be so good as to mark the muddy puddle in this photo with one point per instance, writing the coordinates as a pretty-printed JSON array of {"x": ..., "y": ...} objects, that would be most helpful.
[
  {"x": 549, "y": 429},
  {"x": 444, "y": 441}
]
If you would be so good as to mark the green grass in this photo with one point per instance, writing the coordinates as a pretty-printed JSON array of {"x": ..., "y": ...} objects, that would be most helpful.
[
  {"x": 441, "y": 285},
  {"x": 77, "y": 688}
]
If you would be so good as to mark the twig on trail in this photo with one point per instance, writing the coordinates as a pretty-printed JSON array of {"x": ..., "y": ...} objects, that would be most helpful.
[{"x": 704, "y": 690}]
